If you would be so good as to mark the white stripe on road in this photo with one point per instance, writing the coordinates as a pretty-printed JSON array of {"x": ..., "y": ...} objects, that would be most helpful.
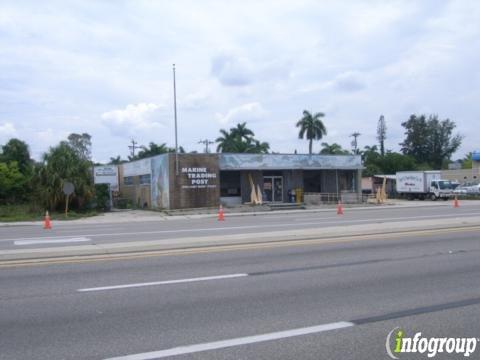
[
  {"x": 168, "y": 282},
  {"x": 182, "y": 350},
  {"x": 51, "y": 241}
]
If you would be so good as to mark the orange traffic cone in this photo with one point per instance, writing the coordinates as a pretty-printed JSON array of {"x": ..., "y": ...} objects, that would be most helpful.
[
  {"x": 339, "y": 208},
  {"x": 221, "y": 215},
  {"x": 47, "y": 223},
  {"x": 455, "y": 202}
]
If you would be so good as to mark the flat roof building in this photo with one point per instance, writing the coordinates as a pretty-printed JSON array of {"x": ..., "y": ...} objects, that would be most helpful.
[{"x": 207, "y": 180}]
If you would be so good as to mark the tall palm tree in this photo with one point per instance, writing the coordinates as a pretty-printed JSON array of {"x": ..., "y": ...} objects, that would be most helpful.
[{"x": 311, "y": 127}]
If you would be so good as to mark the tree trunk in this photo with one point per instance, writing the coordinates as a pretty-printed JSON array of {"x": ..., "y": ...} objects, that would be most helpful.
[{"x": 310, "y": 147}]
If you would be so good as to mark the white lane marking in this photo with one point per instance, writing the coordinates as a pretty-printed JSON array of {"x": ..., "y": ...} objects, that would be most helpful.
[
  {"x": 189, "y": 349},
  {"x": 167, "y": 282},
  {"x": 50, "y": 241},
  {"x": 320, "y": 221}
]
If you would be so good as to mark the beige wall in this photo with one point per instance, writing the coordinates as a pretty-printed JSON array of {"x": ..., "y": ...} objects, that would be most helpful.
[
  {"x": 462, "y": 176},
  {"x": 138, "y": 194}
]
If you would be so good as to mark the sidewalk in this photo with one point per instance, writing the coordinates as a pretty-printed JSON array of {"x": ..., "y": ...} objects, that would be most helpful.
[{"x": 148, "y": 215}]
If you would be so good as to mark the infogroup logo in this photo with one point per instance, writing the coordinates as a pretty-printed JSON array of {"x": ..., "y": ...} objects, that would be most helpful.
[{"x": 429, "y": 346}]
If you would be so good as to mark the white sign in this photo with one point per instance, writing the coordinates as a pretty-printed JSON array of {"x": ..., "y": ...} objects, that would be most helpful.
[
  {"x": 136, "y": 168},
  {"x": 106, "y": 175},
  {"x": 199, "y": 178}
]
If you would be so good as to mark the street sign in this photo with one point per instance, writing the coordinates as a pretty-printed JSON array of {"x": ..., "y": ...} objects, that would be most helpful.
[{"x": 68, "y": 188}]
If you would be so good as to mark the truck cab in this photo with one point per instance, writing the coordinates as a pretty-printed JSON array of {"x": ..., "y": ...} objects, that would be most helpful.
[{"x": 441, "y": 189}]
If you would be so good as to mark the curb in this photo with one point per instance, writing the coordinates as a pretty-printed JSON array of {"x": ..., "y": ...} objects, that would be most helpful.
[{"x": 161, "y": 217}]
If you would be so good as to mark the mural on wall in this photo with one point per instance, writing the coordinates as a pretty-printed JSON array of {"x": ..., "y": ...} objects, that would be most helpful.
[
  {"x": 160, "y": 182},
  {"x": 282, "y": 161}
]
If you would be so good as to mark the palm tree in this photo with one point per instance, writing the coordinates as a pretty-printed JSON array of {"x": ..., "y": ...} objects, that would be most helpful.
[
  {"x": 242, "y": 132},
  {"x": 116, "y": 160},
  {"x": 59, "y": 165},
  {"x": 152, "y": 150},
  {"x": 240, "y": 139},
  {"x": 311, "y": 127},
  {"x": 333, "y": 149},
  {"x": 226, "y": 143}
]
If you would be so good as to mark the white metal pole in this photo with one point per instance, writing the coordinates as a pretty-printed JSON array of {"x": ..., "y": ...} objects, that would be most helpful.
[{"x": 175, "y": 114}]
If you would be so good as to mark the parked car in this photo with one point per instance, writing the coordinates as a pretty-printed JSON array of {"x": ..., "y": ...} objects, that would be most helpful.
[
  {"x": 467, "y": 189},
  {"x": 460, "y": 190}
]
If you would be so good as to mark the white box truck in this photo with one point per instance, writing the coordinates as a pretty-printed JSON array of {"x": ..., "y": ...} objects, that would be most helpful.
[{"x": 423, "y": 184}]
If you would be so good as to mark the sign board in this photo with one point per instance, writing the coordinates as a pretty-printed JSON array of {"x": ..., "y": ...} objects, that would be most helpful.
[
  {"x": 199, "y": 178},
  {"x": 136, "y": 168},
  {"x": 68, "y": 188},
  {"x": 107, "y": 174}
]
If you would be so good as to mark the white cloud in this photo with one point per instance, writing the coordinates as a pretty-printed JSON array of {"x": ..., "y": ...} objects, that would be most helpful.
[
  {"x": 134, "y": 118},
  {"x": 237, "y": 70},
  {"x": 243, "y": 113},
  {"x": 7, "y": 130}
]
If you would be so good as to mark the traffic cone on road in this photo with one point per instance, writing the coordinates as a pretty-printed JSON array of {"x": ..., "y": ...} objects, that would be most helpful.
[
  {"x": 221, "y": 215},
  {"x": 339, "y": 208},
  {"x": 47, "y": 224},
  {"x": 456, "y": 204}
]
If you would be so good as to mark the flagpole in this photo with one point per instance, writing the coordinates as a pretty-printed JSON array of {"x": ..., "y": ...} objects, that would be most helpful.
[{"x": 175, "y": 114}]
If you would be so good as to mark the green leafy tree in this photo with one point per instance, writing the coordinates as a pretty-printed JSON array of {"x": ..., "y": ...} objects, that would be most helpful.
[
  {"x": 311, "y": 127},
  {"x": 82, "y": 144},
  {"x": 333, "y": 149},
  {"x": 467, "y": 161},
  {"x": 60, "y": 164},
  {"x": 371, "y": 161},
  {"x": 17, "y": 150},
  {"x": 429, "y": 140},
  {"x": 390, "y": 163},
  {"x": 393, "y": 162},
  {"x": 12, "y": 182}
]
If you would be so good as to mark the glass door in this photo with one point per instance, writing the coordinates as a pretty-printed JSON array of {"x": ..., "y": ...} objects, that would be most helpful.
[
  {"x": 273, "y": 189},
  {"x": 267, "y": 189},
  {"x": 277, "y": 189}
]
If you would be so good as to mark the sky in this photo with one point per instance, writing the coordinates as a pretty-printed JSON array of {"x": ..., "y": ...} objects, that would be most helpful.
[{"x": 105, "y": 68}]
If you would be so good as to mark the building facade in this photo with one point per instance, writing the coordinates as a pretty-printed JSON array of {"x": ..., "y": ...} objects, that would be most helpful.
[{"x": 171, "y": 181}]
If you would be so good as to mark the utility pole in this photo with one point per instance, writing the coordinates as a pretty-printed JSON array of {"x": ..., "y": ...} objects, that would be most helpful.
[
  {"x": 133, "y": 147},
  {"x": 175, "y": 114},
  {"x": 355, "y": 135},
  {"x": 206, "y": 142}
]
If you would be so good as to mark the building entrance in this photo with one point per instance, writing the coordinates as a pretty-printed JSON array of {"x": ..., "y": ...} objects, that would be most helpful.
[{"x": 273, "y": 188}]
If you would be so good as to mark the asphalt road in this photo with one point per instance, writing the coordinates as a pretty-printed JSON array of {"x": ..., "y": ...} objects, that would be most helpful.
[
  {"x": 21, "y": 237},
  {"x": 340, "y": 300}
]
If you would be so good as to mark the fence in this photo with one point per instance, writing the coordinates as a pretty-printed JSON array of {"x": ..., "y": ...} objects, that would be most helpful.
[{"x": 346, "y": 197}]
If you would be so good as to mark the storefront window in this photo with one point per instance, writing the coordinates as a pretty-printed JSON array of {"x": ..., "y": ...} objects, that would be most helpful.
[
  {"x": 145, "y": 179},
  {"x": 128, "y": 180}
]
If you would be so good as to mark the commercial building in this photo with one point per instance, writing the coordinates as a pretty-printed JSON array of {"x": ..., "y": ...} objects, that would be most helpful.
[
  {"x": 170, "y": 181},
  {"x": 465, "y": 176}
]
